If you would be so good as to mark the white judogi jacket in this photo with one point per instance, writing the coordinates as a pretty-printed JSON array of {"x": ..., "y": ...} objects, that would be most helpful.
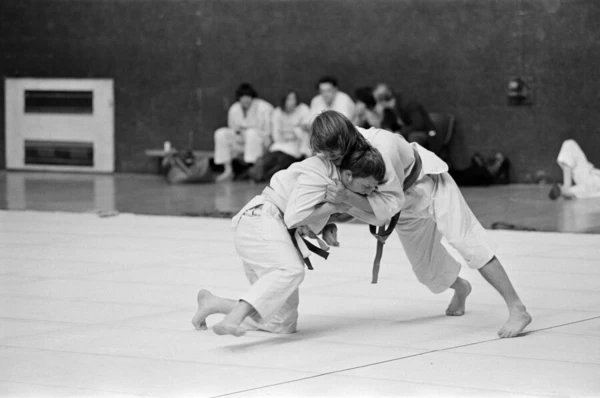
[
  {"x": 342, "y": 103},
  {"x": 258, "y": 116},
  {"x": 399, "y": 157}
]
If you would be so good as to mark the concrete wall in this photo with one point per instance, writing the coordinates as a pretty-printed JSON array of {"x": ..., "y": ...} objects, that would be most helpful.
[{"x": 177, "y": 63}]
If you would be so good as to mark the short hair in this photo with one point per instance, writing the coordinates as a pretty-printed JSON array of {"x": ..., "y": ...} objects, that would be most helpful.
[
  {"x": 331, "y": 131},
  {"x": 287, "y": 94},
  {"x": 365, "y": 162},
  {"x": 385, "y": 92},
  {"x": 245, "y": 89},
  {"x": 365, "y": 95},
  {"x": 328, "y": 79}
]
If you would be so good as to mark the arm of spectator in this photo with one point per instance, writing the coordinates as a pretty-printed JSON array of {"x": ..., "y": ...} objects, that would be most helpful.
[
  {"x": 265, "y": 120},
  {"x": 235, "y": 117},
  {"x": 276, "y": 126},
  {"x": 350, "y": 108}
]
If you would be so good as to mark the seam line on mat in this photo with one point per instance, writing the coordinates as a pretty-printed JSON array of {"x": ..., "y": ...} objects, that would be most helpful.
[{"x": 396, "y": 359}]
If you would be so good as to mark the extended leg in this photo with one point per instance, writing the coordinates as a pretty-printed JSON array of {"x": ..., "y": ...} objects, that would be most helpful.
[
  {"x": 519, "y": 318},
  {"x": 462, "y": 230}
]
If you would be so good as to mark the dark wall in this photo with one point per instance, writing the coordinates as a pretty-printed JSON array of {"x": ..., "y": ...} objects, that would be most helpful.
[{"x": 177, "y": 63}]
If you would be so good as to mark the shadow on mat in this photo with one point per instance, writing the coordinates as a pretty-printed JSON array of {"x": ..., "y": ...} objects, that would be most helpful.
[
  {"x": 421, "y": 320},
  {"x": 321, "y": 331}
]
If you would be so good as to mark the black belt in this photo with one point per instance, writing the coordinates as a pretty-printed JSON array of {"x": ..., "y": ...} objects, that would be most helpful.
[
  {"x": 292, "y": 231},
  {"x": 383, "y": 233},
  {"x": 315, "y": 249}
]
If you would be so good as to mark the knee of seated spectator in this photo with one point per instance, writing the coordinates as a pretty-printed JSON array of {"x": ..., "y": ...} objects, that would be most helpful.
[
  {"x": 253, "y": 134},
  {"x": 222, "y": 133}
]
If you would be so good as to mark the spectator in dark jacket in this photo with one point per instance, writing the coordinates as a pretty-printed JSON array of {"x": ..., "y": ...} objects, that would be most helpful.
[{"x": 410, "y": 120}]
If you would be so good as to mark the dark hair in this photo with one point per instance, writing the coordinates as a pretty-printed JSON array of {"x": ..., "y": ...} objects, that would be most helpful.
[
  {"x": 332, "y": 131},
  {"x": 327, "y": 79},
  {"x": 245, "y": 89},
  {"x": 364, "y": 162},
  {"x": 386, "y": 94},
  {"x": 365, "y": 95},
  {"x": 285, "y": 97}
]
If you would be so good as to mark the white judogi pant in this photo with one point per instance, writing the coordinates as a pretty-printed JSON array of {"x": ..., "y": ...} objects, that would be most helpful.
[
  {"x": 435, "y": 208},
  {"x": 273, "y": 266},
  {"x": 585, "y": 176},
  {"x": 228, "y": 145}
]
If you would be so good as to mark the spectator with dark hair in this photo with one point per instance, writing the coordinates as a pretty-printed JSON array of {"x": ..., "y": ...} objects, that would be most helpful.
[
  {"x": 331, "y": 98},
  {"x": 248, "y": 132},
  {"x": 290, "y": 138},
  {"x": 411, "y": 119},
  {"x": 364, "y": 111}
]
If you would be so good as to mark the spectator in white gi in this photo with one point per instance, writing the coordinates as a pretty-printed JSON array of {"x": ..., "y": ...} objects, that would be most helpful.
[
  {"x": 248, "y": 133},
  {"x": 331, "y": 98},
  {"x": 290, "y": 138}
]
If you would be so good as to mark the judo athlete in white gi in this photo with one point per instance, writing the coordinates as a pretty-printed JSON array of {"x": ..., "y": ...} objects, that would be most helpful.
[
  {"x": 271, "y": 256},
  {"x": 432, "y": 208},
  {"x": 580, "y": 178}
]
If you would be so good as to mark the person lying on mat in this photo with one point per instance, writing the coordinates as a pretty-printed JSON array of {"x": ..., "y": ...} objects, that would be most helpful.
[{"x": 580, "y": 178}]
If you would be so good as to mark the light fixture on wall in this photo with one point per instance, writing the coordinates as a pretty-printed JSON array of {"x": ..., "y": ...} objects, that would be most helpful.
[{"x": 520, "y": 91}]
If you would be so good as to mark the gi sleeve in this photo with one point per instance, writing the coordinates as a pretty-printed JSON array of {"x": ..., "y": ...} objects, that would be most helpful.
[{"x": 307, "y": 195}]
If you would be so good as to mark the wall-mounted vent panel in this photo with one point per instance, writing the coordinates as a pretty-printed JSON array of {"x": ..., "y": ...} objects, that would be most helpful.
[
  {"x": 60, "y": 124},
  {"x": 61, "y": 153},
  {"x": 58, "y": 101}
]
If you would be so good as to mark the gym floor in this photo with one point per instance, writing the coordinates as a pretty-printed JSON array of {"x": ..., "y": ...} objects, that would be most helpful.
[
  {"x": 99, "y": 274},
  {"x": 515, "y": 206}
]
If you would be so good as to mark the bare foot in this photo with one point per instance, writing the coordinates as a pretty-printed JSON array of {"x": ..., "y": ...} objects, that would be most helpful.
[
  {"x": 518, "y": 319},
  {"x": 233, "y": 329},
  {"x": 206, "y": 307},
  {"x": 462, "y": 288}
]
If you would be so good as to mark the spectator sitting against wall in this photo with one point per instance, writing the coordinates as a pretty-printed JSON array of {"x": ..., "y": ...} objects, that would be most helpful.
[
  {"x": 331, "y": 98},
  {"x": 248, "y": 132},
  {"x": 364, "y": 111},
  {"x": 290, "y": 134},
  {"x": 410, "y": 120},
  {"x": 483, "y": 172}
]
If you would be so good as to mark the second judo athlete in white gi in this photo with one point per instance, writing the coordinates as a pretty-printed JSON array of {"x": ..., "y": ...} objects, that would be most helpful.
[
  {"x": 272, "y": 256},
  {"x": 432, "y": 208}
]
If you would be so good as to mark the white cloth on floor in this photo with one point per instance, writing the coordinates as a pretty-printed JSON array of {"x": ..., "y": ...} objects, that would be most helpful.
[
  {"x": 585, "y": 176},
  {"x": 431, "y": 209}
]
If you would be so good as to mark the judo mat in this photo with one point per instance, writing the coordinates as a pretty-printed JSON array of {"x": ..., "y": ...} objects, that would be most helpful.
[{"x": 102, "y": 306}]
